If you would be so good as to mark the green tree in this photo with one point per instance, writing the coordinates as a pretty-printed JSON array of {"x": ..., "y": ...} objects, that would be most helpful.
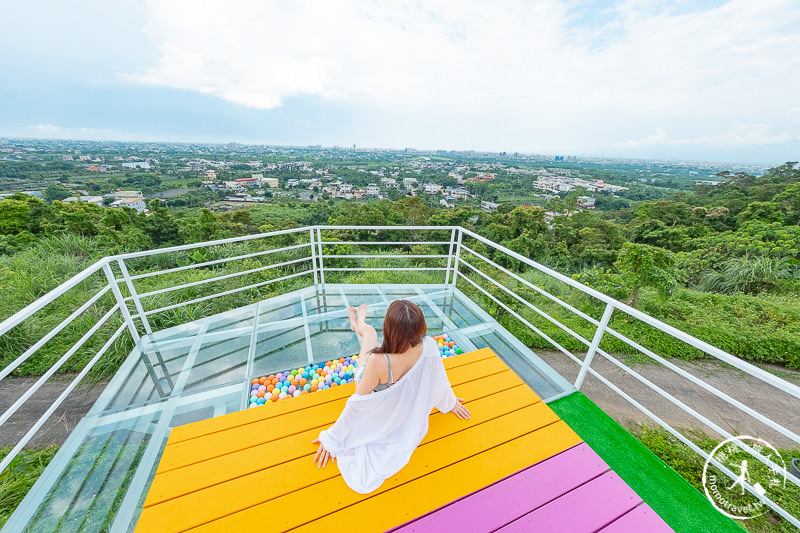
[
  {"x": 765, "y": 211},
  {"x": 160, "y": 227},
  {"x": 20, "y": 212},
  {"x": 789, "y": 201},
  {"x": 55, "y": 191},
  {"x": 646, "y": 266}
]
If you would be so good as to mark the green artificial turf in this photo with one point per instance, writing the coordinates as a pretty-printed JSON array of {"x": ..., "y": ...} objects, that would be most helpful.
[{"x": 680, "y": 505}]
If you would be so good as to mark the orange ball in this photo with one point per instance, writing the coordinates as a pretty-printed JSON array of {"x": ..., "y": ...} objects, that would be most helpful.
[
  {"x": 313, "y": 388},
  {"x": 274, "y": 398},
  {"x": 270, "y": 388},
  {"x": 303, "y": 392},
  {"x": 294, "y": 382},
  {"x": 334, "y": 384},
  {"x": 271, "y": 376},
  {"x": 260, "y": 394},
  {"x": 254, "y": 382},
  {"x": 303, "y": 381}
]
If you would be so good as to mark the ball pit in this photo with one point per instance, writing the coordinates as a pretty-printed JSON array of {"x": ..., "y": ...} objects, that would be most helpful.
[
  {"x": 447, "y": 346},
  {"x": 301, "y": 380},
  {"x": 320, "y": 376}
]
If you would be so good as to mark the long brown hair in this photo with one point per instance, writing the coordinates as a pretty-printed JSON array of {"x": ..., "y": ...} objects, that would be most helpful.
[{"x": 403, "y": 327}]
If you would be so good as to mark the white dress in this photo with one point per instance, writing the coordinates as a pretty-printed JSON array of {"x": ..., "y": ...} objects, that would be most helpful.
[{"x": 376, "y": 433}]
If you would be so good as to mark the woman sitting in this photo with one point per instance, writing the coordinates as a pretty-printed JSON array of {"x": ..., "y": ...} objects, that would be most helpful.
[{"x": 398, "y": 383}]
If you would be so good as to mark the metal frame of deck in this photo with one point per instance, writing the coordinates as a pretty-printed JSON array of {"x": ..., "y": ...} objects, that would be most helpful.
[{"x": 119, "y": 289}]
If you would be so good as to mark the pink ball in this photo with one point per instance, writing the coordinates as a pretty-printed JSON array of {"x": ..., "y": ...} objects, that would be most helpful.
[{"x": 292, "y": 388}]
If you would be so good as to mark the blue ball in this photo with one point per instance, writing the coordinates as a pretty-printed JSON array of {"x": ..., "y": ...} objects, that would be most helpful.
[{"x": 261, "y": 401}]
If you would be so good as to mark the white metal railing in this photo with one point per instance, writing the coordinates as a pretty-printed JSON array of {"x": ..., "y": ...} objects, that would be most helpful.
[{"x": 461, "y": 263}]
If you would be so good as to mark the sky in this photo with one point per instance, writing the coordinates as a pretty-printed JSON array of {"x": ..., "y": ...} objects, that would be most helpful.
[{"x": 701, "y": 80}]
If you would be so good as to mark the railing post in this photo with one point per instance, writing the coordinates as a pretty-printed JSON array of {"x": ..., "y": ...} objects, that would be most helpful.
[
  {"x": 313, "y": 255},
  {"x": 458, "y": 255},
  {"x": 450, "y": 256},
  {"x": 134, "y": 295},
  {"x": 123, "y": 305},
  {"x": 598, "y": 335},
  {"x": 319, "y": 257}
]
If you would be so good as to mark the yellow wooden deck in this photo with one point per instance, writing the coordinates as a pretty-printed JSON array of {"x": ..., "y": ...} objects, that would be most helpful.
[{"x": 253, "y": 469}]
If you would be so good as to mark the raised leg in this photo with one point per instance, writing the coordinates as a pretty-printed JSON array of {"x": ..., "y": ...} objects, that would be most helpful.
[{"x": 367, "y": 336}]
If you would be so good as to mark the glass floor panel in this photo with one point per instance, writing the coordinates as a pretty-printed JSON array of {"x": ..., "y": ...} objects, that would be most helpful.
[{"x": 98, "y": 479}]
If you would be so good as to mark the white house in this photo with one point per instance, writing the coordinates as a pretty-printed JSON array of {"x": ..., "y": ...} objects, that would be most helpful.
[
  {"x": 136, "y": 164},
  {"x": 96, "y": 200},
  {"x": 122, "y": 195},
  {"x": 410, "y": 183},
  {"x": 272, "y": 183},
  {"x": 432, "y": 188},
  {"x": 132, "y": 203},
  {"x": 373, "y": 191}
]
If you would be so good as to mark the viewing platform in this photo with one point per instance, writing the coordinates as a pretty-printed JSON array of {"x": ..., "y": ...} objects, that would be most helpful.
[
  {"x": 171, "y": 445},
  {"x": 514, "y": 466}
]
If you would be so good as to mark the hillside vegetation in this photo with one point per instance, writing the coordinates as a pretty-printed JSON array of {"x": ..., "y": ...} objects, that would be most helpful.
[{"x": 720, "y": 262}]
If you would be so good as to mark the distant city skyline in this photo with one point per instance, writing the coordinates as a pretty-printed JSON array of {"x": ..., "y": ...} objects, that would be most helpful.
[{"x": 679, "y": 80}]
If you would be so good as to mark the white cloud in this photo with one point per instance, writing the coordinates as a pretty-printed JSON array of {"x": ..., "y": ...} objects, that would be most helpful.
[
  {"x": 734, "y": 135},
  {"x": 524, "y": 67},
  {"x": 52, "y": 131}
]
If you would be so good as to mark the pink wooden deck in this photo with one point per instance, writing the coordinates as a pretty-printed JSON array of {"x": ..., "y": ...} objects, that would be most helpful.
[{"x": 571, "y": 492}]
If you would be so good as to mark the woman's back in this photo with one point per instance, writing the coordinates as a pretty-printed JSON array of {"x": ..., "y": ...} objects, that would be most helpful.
[{"x": 376, "y": 433}]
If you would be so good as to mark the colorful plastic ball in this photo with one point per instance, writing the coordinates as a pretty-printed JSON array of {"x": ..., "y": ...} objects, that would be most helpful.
[
  {"x": 261, "y": 401},
  {"x": 306, "y": 387},
  {"x": 262, "y": 388},
  {"x": 253, "y": 393},
  {"x": 292, "y": 389}
]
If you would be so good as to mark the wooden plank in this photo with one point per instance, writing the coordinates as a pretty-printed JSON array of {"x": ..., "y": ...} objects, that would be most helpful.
[
  {"x": 505, "y": 501},
  {"x": 643, "y": 518},
  {"x": 264, "y": 430},
  {"x": 239, "y": 418},
  {"x": 388, "y": 508},
  {"x": 489, "y": 399},
  {"x": 287, "y": 488},
  {"x": 585, "y": 509}
]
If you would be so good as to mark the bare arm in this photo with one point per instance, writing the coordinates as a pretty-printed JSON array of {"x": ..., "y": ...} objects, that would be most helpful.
[{"x": 370, "y": 378}]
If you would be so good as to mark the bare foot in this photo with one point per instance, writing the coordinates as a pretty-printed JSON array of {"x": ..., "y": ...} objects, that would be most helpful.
[
  {"x": 352, "y": 313},
  {"x": 361, "y": 316}
]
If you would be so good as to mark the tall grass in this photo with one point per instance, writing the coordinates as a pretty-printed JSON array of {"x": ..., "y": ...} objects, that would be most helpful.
[
  {"x": 19, "y": 477},
  {"x": 689, "y": 464}
]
